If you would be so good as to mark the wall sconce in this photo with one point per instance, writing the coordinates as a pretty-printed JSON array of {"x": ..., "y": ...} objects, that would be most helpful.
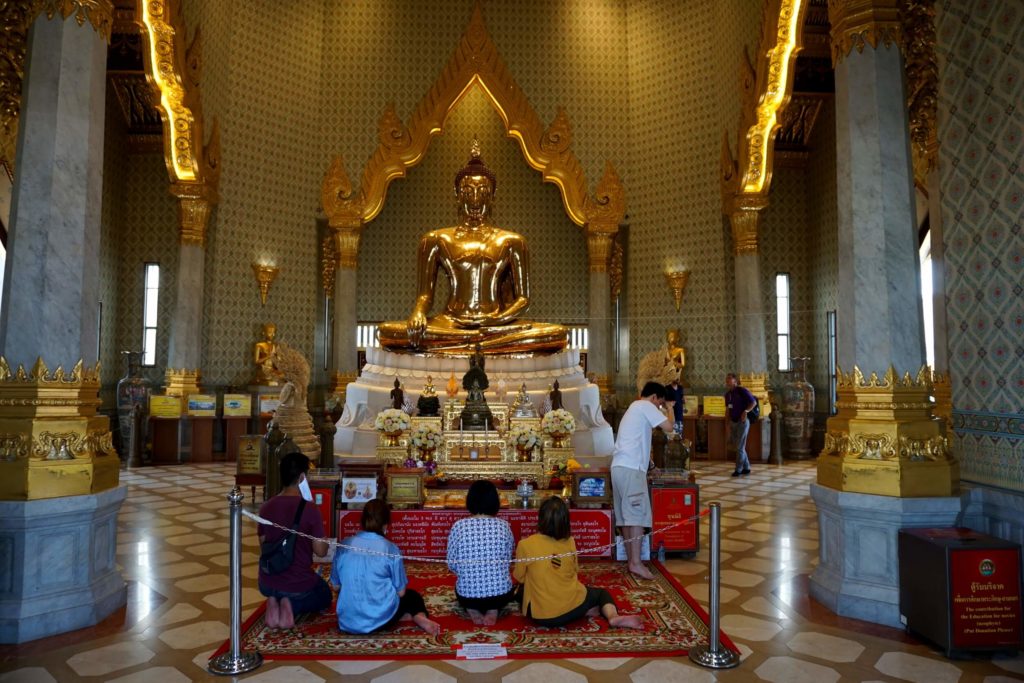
[
  {"x": 265, "y": 274},
  {"x": 677, "y": 280}
]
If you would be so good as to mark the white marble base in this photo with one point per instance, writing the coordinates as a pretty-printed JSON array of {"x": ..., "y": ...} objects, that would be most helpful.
[
  {"x": 371, "y": 393},
  {"x": 858, "y": 567},
  {"x": 58, "y": 571}
]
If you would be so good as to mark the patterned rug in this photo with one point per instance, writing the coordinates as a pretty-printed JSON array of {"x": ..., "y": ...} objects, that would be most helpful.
[{"x": 673, "y": 622}]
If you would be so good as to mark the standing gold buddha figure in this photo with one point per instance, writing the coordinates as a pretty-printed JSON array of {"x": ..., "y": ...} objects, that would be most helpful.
[{"x": 488, "y": 273}]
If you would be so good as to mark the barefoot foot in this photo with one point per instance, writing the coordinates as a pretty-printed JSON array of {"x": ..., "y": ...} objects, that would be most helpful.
[
  {"x": 287, "y": 617},
  {"x": 425, "y": 623},
  {"x": 475, "y": 617},
  {"x": 626, "y": 621},
  {"x": 491, "y": 618},
  {"x": 273, "y": 617},
  {"x": 641, "y": 572},
  {"x": 593, "y": 611}
]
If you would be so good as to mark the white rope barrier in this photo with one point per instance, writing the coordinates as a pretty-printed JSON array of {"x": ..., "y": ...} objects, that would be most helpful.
[{"x": 597, "y": 550}]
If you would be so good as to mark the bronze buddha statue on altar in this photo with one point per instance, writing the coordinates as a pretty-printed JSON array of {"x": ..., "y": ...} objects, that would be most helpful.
[{"x": 488, "y": 272}]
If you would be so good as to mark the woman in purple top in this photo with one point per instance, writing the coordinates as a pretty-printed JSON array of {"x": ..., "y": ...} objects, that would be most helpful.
[{"x": 298, "y": 589}]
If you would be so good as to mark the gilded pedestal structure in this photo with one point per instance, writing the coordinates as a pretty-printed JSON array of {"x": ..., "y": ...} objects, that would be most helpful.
[
  {"x": 886, "y": 462},
  {"x": 59, "y": 492}
]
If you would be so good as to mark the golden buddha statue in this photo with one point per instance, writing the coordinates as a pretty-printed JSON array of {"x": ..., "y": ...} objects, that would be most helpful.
[
  {"x": 262, "y": 357},
  {"x": 676, "y": 353},
  {"x": 488, "y": 270}
]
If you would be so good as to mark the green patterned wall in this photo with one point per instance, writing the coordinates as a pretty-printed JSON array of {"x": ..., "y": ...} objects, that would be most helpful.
[
  {"x": 114, "y": 166},
  {"x": 981, "y": 127},
  {"x": 822, "y": 245}
]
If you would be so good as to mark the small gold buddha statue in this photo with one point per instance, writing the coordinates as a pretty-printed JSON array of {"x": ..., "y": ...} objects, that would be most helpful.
[
  {"x": 262, "y": 357},
  {"x": 428, "y": 388},
  {"x": 488, "y": 270},
  {"x": 453, "y": 386},
  {"x": 676, "y": 353}
]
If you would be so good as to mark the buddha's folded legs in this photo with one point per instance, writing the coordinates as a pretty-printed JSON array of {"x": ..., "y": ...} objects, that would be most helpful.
[{"x": 524, "y": 337}]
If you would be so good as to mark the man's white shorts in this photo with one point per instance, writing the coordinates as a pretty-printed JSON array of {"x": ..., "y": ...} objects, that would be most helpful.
[{"x": 632, "y": 502}]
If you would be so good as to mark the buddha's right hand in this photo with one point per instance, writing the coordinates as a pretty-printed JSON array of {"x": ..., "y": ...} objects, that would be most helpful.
[{"x": 415, "y": 327}]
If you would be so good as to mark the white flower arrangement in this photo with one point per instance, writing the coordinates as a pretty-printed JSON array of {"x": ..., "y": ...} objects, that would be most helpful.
[
  {"x": 391, "y": 420},
  {"x": 558, "y": 421},
  {"x": 427, "y": 436},
  {"x": 523, "y": 436}
]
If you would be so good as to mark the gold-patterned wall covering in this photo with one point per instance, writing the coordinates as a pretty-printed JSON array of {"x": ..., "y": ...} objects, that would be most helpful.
[
  {"x": 981, "y": 134},
  {"x": 148, "y": 233},
  {"x": 684, "y": 92},
  {"x": 568, "y": 54},
  {"x": 822, "y": 244},
  {"x": 115, "y": 163},
  {"x": 784, "y": 249},
  {"x": 265, "y": 90}
]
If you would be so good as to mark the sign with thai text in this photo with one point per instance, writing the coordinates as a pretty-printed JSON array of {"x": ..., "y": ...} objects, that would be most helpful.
[
  {"x": 237, "y": 405},
  {"x": 165, "y": 406},
  {"x": 424, "y": 533},
  {"x": 986, "y": 600},
  {"x": 714, "y": 405}
]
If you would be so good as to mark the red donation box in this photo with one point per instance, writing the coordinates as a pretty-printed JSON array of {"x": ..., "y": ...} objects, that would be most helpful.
[
  {"x": 961, "y": 589},
  {"x": 676, "y": 506}
]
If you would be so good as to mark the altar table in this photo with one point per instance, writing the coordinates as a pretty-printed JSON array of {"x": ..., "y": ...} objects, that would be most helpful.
[{"x": 424, "y": 533}]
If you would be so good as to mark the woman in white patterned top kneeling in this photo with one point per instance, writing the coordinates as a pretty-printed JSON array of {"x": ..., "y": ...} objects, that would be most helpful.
[{"x": 479, "y": 551}]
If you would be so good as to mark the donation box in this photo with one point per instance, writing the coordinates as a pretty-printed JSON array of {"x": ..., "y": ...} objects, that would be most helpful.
[
  {"x": 675, "y": 505},
  {"x": 960, "y": 588}
]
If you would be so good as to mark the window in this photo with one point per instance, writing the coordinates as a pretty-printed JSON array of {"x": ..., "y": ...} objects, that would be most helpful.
[
  {"x": 782, "y": 314},
  {"x": 926, "y": 298},
  {"x": 833, "y": 351},
  {"x": 366, "y": 336},
  {"x": 149, "y": 313},
  {"x": 579, "y": 337}
]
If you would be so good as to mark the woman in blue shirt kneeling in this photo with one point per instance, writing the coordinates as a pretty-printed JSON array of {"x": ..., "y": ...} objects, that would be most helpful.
[
  {"x": 370, "y": 577},
  {"x": 479, "y": 553}
]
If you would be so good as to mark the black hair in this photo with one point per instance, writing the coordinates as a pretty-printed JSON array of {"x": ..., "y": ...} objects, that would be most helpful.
[
  {"x": 653, "y": 389},
  {"x": 376, "y": 516},
  {"x": 291, "y": 466},
  {"x": 553, "y": 518},
  {"x": 482, "y": 498}
]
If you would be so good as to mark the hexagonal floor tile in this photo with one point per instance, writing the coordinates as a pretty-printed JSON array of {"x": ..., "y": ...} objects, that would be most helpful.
[
  {"x": 829, "y": 648},
  {"x": 916, "y": 668},
  {"x": 667, "y": 670},
  {"x": 103, "y": 660},
  {"x": 549, "y": 673},
  {"x": 793, "y": 670}
]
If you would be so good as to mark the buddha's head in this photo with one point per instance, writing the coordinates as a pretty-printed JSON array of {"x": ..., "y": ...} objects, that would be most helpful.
[
  {"x": 269, "y": 330},
  {"x": 672, "y": 337},
  {"x": 475, "y": 185}
]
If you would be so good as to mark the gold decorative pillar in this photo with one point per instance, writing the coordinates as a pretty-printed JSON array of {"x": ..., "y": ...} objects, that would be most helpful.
[
  {"x": 884, "y": 439},
  {"x": 174, "y": 71},
  {"x": 345, "y": 370},
  {"x": 599, "y": 327}
]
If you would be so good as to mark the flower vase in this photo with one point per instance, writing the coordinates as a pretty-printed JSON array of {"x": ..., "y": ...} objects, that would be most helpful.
[
  {"x": 391, "y": 438},
  {"x": 523, "y": 454},
  {"x": 558, "y": 439},
  {"x": 427, "y": 454}
]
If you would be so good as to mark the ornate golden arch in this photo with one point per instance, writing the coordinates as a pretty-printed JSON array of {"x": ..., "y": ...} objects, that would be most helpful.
[{"x": 476, "y": 61}]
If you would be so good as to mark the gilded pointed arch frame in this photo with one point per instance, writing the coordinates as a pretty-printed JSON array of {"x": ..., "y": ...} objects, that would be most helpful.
[{"x": 400, "y": 146}]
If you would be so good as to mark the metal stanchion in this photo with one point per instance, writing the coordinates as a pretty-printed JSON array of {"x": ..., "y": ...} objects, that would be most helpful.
[
  {"x": 234, "y": 661},
  {"x": 713, "y": 655}
]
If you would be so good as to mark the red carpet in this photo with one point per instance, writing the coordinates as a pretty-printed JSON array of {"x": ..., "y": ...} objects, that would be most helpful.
[{"x": 673, "y": 622}]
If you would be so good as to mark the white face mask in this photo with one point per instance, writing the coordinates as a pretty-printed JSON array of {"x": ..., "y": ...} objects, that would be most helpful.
[{"x": 304, "y": 491}]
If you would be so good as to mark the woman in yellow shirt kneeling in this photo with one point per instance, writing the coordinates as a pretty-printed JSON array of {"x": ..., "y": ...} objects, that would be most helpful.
[{"x": 552, "y": 594}]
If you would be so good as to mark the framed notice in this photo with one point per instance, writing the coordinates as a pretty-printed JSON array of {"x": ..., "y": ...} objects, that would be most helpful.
[
  {"x": 592, "y": 486},
  {"x": 358, "y": 489},
  {"x": 405, "y": 486},
  {"x": 691, "y": 405},
  {"x": 250, "y": 450},
  {"x": 237, "y": 405},
  {"x": 269, "y": 403},
  {"x": 714, "y": 405},
  {"x": 202, "y": 405},
  {"x": 165, "y": 406}
]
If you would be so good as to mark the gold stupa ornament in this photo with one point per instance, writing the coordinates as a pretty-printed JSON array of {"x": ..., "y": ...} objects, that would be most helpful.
[
  {"x": 884, "y": 439},
  {"x": 52, "y": 442}
]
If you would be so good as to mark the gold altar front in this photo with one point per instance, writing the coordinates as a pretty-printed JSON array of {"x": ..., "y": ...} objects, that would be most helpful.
[{"x": 470, "y": 455}]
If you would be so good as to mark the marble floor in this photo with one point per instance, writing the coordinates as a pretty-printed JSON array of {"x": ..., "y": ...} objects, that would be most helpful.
[{"x": 172, "y": 549}]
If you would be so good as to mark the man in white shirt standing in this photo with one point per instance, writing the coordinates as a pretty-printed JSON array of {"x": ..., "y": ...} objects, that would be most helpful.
[{"x": 631, "y": 460}]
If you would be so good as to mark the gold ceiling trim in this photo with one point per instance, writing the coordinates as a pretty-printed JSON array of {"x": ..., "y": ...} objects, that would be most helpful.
[
  {"x": 475, "y": 62},
  {"x": 173, "y": 71},
  {"x": 859, "y": 23},
  {"x": 99, "y": 13},
  {"x": 766, "y": 87}
]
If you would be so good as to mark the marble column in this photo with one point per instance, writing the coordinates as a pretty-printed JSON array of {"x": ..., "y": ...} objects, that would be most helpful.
[
  {"x": 185, "y": 343},
  {"x": 879, "y": 308},
  {"x": 344, "y": 302},
  {"x": 599, "y": 310},
  {"x": 51, "y": 298}
]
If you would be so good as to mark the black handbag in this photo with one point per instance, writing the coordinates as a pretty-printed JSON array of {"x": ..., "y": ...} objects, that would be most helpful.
[{"x": 277, "y": 556}]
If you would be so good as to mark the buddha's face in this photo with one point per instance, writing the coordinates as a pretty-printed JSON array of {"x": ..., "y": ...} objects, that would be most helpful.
[
  {"x": 269, "y": 331},
  {"x": 673, "y": 337},
  {"x": 475, "y": 194}
]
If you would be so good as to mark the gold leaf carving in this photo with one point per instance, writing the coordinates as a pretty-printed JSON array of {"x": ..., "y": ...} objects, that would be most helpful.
[{"x": 857, "y": 24}]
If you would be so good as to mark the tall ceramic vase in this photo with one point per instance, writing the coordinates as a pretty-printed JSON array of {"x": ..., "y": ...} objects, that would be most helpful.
[{"x": 798, "y": 411}]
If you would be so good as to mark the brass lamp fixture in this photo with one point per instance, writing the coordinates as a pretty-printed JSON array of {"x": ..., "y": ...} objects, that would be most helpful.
[
  {"x": 677, "y": 280},
  {"x": 265, "y": 274}
]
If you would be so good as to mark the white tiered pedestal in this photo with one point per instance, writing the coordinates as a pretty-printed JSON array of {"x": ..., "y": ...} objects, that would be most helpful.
[{"x": 371, "y": 393}]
